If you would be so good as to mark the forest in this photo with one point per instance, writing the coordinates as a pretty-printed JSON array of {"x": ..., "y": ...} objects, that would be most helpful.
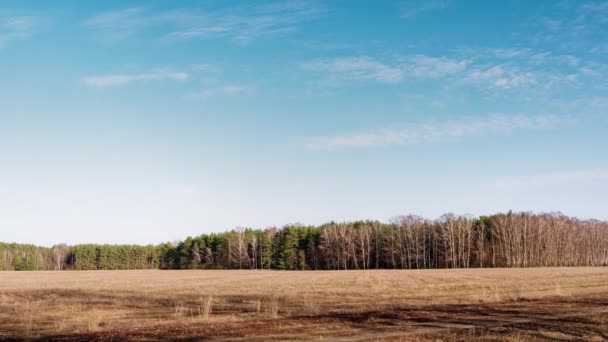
[{"x": 408, "y": 242}]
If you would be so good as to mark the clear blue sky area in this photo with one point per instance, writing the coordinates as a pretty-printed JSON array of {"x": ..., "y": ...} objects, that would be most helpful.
[{"x": 144, "y": 122}]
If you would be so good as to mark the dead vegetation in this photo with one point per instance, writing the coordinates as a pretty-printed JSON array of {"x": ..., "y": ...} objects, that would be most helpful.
[{"x": 539, "y": 303}]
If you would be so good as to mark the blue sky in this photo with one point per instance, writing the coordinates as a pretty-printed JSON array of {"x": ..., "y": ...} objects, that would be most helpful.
[{"x": 151, "y": 121}]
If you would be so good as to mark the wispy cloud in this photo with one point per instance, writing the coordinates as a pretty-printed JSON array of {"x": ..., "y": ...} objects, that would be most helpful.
[
  {"x": 433, "y": 67},
  {"x": 121, "y": 23},
  {"x": 15, "y": 27},
  {"x": 552, "y": 179},
  {"x": 246, "y": 23},
  {"x": 498, "y": 71},
  {"x": 367, "y": 68},
  {"x": 501, "y": 53},
  {"x": 544, "y": 58},
  {"x": 531, "y": 73},
  {"x": 413, "y": 8},
  {"x": 493, "y": 72},
  {"x": 572, "y": 26},
  {"x": 356, "y": 68},
  {"x": 242, "y": 24},
  {"x": 437, "y": 131},
  {"x": 502, "y": 76},
  {"x": 594, "y": 8},
  {"x": 113, "y": 80}
]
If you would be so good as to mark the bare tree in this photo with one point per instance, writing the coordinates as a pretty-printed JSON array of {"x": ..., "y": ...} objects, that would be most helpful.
[
  {"x": 238, "y": 248},
  {"x": 59, "y": 255}
]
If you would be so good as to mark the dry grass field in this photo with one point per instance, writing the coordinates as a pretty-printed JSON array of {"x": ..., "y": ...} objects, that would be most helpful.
[{"x": 450, "y": 305}]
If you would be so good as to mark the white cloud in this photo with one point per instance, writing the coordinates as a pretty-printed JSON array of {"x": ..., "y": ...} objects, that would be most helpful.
[
  {"x": 534, "y": 71},
  {"x": 413, "y": 8},
  {"x": 367, "y": 68},
  {"x": 502, "y": 76},
  {"x": 246, "y": 23},
  {"x": 551, "y": 179},
  {"x": 501, "y": 53},
  {"x": 550, "y": 24},
  {"x": 356, "y": 68},
  {"x": 490, "y": 73},
  {"x": 433, "y": 67},
  {"x": 241, "y": 24},
  {"x": 508, "y": 53},
  {"x": 495, "y": 72},
  {"x": 577, "y": 31},
  {"x": 15, "y": 27},
  {"x": 515, "y": 80},
  {"x": 547, "y": 58},
  {"x": 438, "y": 131},
  {"x": 112, "y": 80}
]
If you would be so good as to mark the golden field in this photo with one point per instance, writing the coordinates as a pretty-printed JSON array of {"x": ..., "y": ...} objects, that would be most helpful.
[{"x": 464, "y": 304}]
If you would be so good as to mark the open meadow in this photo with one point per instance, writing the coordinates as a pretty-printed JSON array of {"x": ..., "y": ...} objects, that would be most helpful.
[{"x": 481, "y": 304}]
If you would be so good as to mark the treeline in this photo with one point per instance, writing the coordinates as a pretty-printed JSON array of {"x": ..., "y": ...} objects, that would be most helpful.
[
  {"x": 21, "y": 257},
  {"x": 409, "y": 242}
]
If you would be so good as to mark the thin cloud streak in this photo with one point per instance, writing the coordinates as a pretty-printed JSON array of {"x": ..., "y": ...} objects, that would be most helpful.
[
  {"x": 433, "y": 67},
  {"x": 367, "y": 68},
  {"x": 356, "y": 68},
  {"x": 242, "y": 24},
  {"x": 114, "y": 80},
  {"x": 499, "y": 72},
  {"x": 15, "y": 27},
  {"x": 438, "y": 131},
  {"x": 120, "y": 24},
  {"x": 502, "y": 76}
]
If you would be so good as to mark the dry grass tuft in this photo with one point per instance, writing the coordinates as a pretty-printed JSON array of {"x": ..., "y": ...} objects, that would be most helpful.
[
  {"x": 517, "y": 294},
  {"x": 310, "y": 306},
  {"x": 257, "y": 305},
  {"x": 558, "y": 289},
  {"x": 94, "y": 321},
  {"x": 29, "y": 317},
  {"x": 273, "y": 306},
  {"x": 178, "y": 309},
  {"x": 206, "y": 307}
]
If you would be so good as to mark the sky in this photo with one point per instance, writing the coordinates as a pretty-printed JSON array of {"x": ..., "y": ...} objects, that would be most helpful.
[{"x": 145, "y": 122}]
